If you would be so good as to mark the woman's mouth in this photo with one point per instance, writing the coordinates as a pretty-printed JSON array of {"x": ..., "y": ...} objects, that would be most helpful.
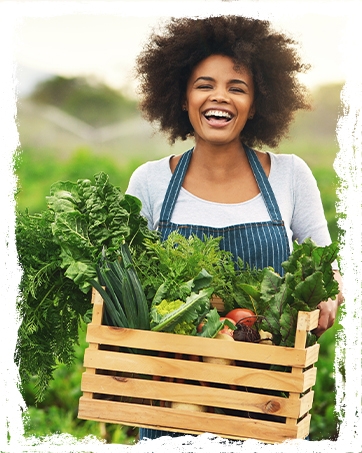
[{"x": 216, "y": 117}]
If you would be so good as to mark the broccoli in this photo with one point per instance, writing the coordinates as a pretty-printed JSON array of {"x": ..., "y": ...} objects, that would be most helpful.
[
  {"x": 181, "y": 317},
  {"x": 166, "y": 307}
]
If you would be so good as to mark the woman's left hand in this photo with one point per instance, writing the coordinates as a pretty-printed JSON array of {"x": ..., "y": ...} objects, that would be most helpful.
[
  {"x": 328, "y": 309},
  {"x": 327, "y": 316}
]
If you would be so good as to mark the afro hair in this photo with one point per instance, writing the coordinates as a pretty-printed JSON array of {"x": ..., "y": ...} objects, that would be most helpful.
[{"x": 169, "y": 57}]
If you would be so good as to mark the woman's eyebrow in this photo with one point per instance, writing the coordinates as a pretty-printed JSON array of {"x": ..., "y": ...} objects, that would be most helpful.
[{"x": 211, "y": 79}]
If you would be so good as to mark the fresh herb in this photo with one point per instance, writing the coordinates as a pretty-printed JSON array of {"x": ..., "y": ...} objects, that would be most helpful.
[
  {"x": 49, "y": 304},
  {"x": 168, "y": 264}
]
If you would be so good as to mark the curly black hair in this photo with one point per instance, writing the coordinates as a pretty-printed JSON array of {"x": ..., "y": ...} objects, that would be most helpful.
[{"x": 168, "y": 59}]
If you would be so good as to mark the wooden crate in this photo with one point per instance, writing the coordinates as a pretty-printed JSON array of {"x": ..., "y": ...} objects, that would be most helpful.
[{"x": 243, "y": 400}]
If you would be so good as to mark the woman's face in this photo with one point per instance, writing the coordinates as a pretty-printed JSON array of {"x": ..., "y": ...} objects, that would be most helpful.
[{"x": 219, "y": 100}]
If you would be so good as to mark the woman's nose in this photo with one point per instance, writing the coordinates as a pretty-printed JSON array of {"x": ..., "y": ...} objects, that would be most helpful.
[{"x": 219, "y": 95}]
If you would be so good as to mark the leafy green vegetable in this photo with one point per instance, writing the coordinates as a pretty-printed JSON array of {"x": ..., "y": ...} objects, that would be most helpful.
[
  {"x": 167, "y": 265},
  {"x": 58, "y": 250},
  {"x": 165, "y": 308},
  {"x": 213, "y": 324},
  {"x": 308, "y": 280},
  {"x": 50, "y": 305},
  {"x": 89, "y": 218}
]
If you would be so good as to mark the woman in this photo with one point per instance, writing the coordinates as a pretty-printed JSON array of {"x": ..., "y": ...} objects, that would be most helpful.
[{"x": 231, "y": 84}]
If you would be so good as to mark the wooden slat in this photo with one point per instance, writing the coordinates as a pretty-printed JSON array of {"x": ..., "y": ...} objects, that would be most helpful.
[
  {"x": 307, "y": 320},
  {"x": 306, "y": 403},
  {"x": 208, "y": 347},
  {"x": 293, "y": 396},
  {"x": 184, "y": 369},
  {"x": 303, "y": 427},
  {"x": 310, "y": 377},
  {"x": 188, "y": 422},
  {"x": 98, "y": 308},
  {"x": 217, "y": 303},
  {"x": 203, "y": 395},
  {"x": 312, "y": 354}
]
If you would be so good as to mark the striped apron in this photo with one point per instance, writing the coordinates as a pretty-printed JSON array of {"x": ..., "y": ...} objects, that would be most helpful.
[{"x": 259, "y": 244}]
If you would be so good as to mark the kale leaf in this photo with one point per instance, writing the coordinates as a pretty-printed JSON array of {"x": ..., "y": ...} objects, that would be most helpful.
[{"x": 90, "y": 218}]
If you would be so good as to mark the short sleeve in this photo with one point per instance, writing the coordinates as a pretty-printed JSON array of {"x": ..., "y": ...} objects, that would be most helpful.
[
  {"x": 138, "y": 187},
  {"x": 308, "y": 219}
]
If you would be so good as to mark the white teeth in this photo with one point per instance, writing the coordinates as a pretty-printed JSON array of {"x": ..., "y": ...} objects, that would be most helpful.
[{"x": 219, "y": 113}]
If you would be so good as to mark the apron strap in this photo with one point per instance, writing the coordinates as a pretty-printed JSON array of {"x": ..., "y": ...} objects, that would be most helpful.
[
  {"x": 174, "y": 186},
  {"x": 264, "y": 186}
]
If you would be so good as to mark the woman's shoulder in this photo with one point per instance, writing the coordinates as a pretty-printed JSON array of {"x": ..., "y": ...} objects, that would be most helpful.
[
  {"x": 150, "y": 176},
  {"x": 154, "y": 169},
  {"x": 154, "y": 166},
  {"x": 281, "y": 162},
  {"x": 288, "y": 162}
]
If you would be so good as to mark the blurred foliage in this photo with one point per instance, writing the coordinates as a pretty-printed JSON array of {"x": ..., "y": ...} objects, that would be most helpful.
[
  {"x": 38, "y": 171},
  {"x": 324, "y": 422},
  {"x": 87, "y": 99},
  {"x": 320, "y": 122},
  {"x": 312, "y": 138},
  {"x": 57, "y": 413}
]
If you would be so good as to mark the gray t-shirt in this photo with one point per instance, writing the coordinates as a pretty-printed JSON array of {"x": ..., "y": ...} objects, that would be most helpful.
[{"x": 291, "y": 179}]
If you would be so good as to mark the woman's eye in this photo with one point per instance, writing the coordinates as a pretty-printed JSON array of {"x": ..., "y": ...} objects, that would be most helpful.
[
  {"x": 237, "y": 90},
  {"x": 204, "y": 87}
]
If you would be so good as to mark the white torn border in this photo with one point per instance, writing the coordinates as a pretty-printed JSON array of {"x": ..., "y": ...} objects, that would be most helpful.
[{"x": 348, "y": 168}]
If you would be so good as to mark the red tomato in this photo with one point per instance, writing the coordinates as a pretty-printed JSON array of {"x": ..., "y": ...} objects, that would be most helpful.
[
  {"x": 227, "y": 329},
  {"x": 242, "y": 315}
]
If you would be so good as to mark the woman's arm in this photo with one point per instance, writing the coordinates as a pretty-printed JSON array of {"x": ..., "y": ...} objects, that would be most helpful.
[{"x": 329, "y": 308}]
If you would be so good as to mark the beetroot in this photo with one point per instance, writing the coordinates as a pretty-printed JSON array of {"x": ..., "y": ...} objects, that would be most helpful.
[{"x": 246, "y": 333}]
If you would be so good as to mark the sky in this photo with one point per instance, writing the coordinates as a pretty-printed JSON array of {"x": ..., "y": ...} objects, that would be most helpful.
[
  {"x": 103, "y": 38},
  {"x": 106, "y": 45}
]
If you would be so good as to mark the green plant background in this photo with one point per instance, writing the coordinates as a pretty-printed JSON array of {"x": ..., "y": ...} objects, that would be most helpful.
[{"x": 38, "y": 166}]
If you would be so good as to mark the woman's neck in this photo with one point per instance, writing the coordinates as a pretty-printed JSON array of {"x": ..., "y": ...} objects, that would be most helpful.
[{"x": 219, "y": 161}]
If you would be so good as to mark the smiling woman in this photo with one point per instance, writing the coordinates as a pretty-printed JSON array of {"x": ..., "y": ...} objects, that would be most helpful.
[
  {"x": 231, "y": 84},
  {"x": 219, "y": 100}
]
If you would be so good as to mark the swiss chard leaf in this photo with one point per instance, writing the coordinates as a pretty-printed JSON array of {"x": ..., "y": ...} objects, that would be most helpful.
[
  {"x": 311, "y": 290},
  {"x": 275, "y": 308},
  {"x": 288, "y": 323},
  {"x": 308, "y": 280}
]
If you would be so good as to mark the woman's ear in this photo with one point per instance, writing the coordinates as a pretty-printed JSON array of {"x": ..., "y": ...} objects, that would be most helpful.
[{"x": 251, "y": 112}]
